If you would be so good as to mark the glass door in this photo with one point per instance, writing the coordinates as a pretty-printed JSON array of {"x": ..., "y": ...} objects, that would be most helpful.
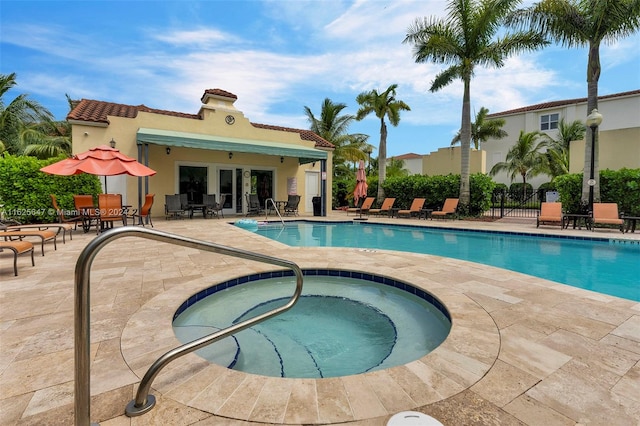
[
  {"x": 193, "y": 182},
  {"x": 230, "y": 183}
]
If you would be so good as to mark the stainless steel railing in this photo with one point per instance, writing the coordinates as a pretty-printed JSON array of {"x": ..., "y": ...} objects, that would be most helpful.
[
  {"x": 275, "y": 207},
  {"x": 143, "y": 401}
]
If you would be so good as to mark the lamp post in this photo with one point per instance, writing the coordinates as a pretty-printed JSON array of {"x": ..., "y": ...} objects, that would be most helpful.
[{"x": 593, "y": 121}]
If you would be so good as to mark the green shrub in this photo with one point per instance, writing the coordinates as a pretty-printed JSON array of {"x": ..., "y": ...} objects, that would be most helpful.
[
  {"x": 520, "y": 191},
  {"x": 25, "y": 190},
  {"x": 435, "y": 189},
  {"x": 619, "y": 186}
]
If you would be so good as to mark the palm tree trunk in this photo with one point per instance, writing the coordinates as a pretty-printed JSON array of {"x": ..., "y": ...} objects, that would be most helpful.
[
  {"x": 593, "y": 75},
  {"x": 465, "y": 143},
  {"x": 382, "y": 159}
]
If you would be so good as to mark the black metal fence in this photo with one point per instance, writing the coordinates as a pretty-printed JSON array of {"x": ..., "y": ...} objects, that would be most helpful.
[{"x": 519, "y": 203}]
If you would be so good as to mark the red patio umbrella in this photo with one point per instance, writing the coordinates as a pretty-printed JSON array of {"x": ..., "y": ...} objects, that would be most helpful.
[
  {"x": 360, "y": 190},
  {"x": 361, "y": 183},
  {"x": 101, "y": 161}
]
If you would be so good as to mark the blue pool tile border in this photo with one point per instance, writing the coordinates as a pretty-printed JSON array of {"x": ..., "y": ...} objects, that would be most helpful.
[
  {"x": 478, "y": 231},
  {"x": 366, "y": 276}
]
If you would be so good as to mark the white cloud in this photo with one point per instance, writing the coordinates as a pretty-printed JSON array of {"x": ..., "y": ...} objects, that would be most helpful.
[{"x": 201, "y": 37}]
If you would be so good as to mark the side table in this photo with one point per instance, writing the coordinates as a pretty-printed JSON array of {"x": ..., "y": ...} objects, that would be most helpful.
[
  {"x": 578, "y": 220},
  {"x": 630, "y": 223},
  {"x": 425, "y": 213}
]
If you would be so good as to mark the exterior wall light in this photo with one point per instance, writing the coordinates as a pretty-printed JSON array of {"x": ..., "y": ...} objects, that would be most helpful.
[
  {"x": 230, "y": 155},
  {"x": 282, "y": 159},
  {"x": 112, "y": 143},
  {"x": 168, "y": 150}
]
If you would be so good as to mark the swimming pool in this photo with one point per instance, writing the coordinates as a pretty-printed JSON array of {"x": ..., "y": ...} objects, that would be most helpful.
[
  {"x": 602, "y": 265},
  {"x": 344, "y": 323}
]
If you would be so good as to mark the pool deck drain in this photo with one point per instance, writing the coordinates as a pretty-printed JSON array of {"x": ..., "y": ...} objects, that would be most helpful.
[{"x": 523, "y": 350}]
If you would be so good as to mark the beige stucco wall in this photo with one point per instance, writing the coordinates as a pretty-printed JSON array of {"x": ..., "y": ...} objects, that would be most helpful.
[
  {"x": 124, "y": 130},
  {"x": 618, "y": 149},
  {"x": 620, "y": 126},
  {"x": 447, "y": 160}
]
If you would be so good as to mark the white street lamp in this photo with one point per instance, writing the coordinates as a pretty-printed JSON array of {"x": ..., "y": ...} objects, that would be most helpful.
[{"x": 593, "y": 120}]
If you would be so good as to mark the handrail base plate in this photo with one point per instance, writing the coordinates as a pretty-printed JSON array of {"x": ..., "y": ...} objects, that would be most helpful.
[{"x": 133, "y": 411}]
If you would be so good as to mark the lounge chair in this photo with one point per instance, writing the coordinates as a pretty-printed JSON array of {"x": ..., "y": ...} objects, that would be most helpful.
[
  {"x": 17, "y": 247},
  {"x": 291, "y": 207},
  {"x": 110, "y": 211},
  {"x": 364, "y": 207},
  {"x": 59, "y": 227},
  {"x": 13, "y": 236},
  {"x": 448, "y": 209},
  {"x": 145, "y": 211},
  {"x": 550, "y": 213},
  {"x": 173, "y": 207},
  {"x": 415, "y": 208},
  {"x": 606, "y": 214},
  {"x": 385, "y": 208}
]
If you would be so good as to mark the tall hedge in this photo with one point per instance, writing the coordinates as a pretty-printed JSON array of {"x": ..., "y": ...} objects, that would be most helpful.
[
  {"x": 25, "y": 190},
  {"x": 619, "y": 186},
  {"x": 438, "y": 188}
]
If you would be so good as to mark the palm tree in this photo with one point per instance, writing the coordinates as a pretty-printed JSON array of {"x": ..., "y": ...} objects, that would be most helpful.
[
  {"x": 395, "y": 168},
  {"x": 334, "y": 128},
  {"x": 524, "y": 158},
  {"x": 582, "y": 23},
  {"x": 483, "y": 129},
  {"x": 558, "y": 153},
  {"x": 18, "y": 115},
  {"x": 465, "y": 39},
  {"x": 382, "y": 105}
]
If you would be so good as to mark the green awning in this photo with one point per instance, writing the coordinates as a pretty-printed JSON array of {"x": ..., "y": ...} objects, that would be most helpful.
[{"x": 220, "y": 143}]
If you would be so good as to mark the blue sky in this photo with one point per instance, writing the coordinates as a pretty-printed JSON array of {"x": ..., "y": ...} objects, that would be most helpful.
[{"x": 277, "y": 56}]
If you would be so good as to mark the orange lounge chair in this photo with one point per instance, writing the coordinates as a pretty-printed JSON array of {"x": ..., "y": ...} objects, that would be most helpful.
[
  {"x": 448, "y": 209},
  {"x": 415, "y": 208},
  {"x": 606, "y": 214},
  {"x": 364, "y": 207},
  {"x": 59, "y": 227},
  {"x": 550, "y": 213},
  {"x": 14, "y": 236},
  {"x": 17, "y": 247},
  {"x": 386, "y": 207}
]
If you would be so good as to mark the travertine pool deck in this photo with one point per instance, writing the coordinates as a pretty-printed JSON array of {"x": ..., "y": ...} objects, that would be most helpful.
[{"x": 522, "y": 350}]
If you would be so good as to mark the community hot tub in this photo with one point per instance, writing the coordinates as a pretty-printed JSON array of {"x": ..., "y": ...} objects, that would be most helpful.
[{"x": 344, "y": 323}]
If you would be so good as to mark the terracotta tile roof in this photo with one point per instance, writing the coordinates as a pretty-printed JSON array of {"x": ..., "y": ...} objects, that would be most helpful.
[
  {"x": 306, "y": 135},
  {"x": 218, "y": 92},
  {"x": 98, "y": 112},
  {"x": 555, "y": 104},
  {"x": 407, "y": 156}
]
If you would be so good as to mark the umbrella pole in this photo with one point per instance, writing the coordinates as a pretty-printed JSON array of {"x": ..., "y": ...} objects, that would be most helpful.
[{"x": 361, "y": 218}]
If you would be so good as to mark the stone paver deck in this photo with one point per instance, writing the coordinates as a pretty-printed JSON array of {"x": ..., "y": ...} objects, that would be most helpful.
[{"x": 522, "y": 350}]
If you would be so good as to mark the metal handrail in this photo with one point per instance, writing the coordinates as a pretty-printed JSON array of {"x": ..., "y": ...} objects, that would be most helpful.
[
  {"x": 143, "y": 401},
  {"x": 275, "y": 207}
]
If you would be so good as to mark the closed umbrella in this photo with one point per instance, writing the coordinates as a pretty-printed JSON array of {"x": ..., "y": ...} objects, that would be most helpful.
[
  {"x": 101, "y": 161},
  {"x": 360, "y": 191}
]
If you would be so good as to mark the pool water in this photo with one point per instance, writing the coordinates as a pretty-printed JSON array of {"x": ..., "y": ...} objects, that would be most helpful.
[
  {"x": 605, "y": 266},
  {"x": 339, "y": 326}
]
